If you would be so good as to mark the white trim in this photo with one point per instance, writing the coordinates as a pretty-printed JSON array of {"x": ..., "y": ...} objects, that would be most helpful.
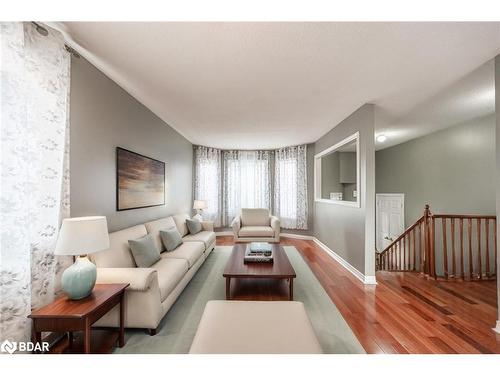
[
  {"x": 341, "y": 203},
  {"x": 317, "y": 173},
  {"x": 370, "y": 280},
  {"x": 497, "y": 328},
  {"x": 298, "y": 236},
  {"x": 367, "y": 280},
  {"x": 289, "y": 235}
]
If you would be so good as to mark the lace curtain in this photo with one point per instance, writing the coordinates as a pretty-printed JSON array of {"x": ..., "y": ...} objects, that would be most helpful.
[
  {"x": 207, "y": 182},
  {"x": 290, "y": 187},
  {"x": 246, "y": 182},
  {"x": 34, "y": 166}
]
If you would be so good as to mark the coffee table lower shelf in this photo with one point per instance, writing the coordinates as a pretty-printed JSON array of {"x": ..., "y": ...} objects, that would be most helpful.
[{"x": 259, "y": 289}]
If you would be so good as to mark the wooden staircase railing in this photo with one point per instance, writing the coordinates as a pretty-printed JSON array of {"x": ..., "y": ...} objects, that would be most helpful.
[{"x": 461, "y": 247}]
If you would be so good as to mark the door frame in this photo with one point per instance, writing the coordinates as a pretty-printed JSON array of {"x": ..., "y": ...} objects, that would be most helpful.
[{"x": 377, "y": 196}]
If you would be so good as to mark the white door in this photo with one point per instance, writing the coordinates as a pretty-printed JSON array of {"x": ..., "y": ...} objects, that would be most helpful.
[{"x": 390, "y": 218}]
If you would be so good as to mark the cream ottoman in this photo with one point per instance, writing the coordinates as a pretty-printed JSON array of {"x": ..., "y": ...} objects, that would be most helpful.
[{"x": 254, "y": 327}]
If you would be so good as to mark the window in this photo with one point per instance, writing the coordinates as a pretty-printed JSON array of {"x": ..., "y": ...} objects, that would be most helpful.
[
  {"x": 207, "y": 185},
  {"x": 246, "y": 182}
]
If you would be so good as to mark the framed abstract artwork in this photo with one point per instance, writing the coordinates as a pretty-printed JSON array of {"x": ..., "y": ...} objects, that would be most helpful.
[{"x": 140, "y": 180}]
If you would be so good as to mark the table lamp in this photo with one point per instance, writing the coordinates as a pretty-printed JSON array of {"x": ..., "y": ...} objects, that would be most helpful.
[
  {"x": 199, "y": 206},
  {"x": 80, "y": 236}
]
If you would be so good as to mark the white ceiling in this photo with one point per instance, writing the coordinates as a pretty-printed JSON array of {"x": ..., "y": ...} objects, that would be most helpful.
[{"x": 266, "y": 85}]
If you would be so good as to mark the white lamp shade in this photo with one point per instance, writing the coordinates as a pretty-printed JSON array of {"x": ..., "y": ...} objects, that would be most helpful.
[
  {"x": 83, "y": 235},
  {"x": 199, "y": 205}
]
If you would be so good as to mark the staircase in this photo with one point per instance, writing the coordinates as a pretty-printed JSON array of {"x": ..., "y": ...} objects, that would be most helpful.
[{"x": 445, "y": 246}]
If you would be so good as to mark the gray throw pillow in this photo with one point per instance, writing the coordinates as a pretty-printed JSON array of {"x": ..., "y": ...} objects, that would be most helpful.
[
  {"x": 194, "y": 226},
  {"x": 144, "y": 251},
  {"x": 171, "y": 238}
]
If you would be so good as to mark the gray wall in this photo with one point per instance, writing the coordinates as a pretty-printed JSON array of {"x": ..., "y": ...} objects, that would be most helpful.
[
  {"x": 453, "y": 170},
  {"x": 350, "y": 231},
  {"x": 104, "y": 116}
]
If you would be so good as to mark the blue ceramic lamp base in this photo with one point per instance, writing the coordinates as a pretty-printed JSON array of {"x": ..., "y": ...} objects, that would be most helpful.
[{"x": 79, "y": 279}]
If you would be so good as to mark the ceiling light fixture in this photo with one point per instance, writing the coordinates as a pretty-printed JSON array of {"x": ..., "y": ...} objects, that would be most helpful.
[{"x": 381, "y": 138}]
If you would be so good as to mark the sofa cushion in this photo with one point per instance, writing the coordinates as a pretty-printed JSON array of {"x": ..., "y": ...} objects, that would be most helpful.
[
  {"x": 171, "y": 238},
  {"x": 255, "y": 217},
  {"x": 256, "y": 231},
  {"x": 144, "y": 251},
  {"x": 170, "y": 272},
  {"x": 154, "y": 227},
  {"x": 194, "y": 226},
  {"x": 119, "y": 255},
  {"x": 204, "y": 236},
  {"x": 190, "y": 251},
  {"x": 180, "y": 222}
]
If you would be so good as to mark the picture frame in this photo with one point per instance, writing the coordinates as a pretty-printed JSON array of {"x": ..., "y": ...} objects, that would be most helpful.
[{"x": 140, "y": 180}]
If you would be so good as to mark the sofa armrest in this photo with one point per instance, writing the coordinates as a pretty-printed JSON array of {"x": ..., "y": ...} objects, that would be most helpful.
[
  {"x": 208, "y": 225},
  {"x": 275, "y": 224},
  {"x": 140, "y": 279},
  {"x": 236, "y": 225}
]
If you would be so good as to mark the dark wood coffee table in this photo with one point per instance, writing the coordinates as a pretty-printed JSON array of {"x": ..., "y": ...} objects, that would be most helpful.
[{"x": 280, "y": 269}]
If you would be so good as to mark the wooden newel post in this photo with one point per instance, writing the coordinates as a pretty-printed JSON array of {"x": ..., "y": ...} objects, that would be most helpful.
[{"x": 427, "y": 242}]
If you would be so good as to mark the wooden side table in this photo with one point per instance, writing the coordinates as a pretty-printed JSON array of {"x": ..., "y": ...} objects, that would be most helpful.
[{"x": 65, "y": 315}]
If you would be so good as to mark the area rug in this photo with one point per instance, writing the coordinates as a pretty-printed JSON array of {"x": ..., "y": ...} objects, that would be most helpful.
[{"x": 177, "y": 329}]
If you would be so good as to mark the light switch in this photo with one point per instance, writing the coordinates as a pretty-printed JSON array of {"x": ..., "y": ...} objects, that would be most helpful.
[{"x": 354, "y": 193}]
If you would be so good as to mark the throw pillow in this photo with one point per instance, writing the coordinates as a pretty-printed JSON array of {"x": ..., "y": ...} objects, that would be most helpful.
[
  {"x": 171, "y": 238},
  {"x": 144, "y": 251},
  {"x": 194, "y": 226}
]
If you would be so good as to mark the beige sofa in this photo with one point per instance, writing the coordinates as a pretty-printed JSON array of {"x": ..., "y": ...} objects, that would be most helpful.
[
  {"x": 152, "y": 290},
  {"x": 256, "y": 224}
]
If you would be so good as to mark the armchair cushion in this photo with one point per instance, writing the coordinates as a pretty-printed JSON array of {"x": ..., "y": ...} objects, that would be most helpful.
[
  {"x": 140, "y": 279},
  {"x": 256, "y": 231},
  {"x": 255, "y": 217}
]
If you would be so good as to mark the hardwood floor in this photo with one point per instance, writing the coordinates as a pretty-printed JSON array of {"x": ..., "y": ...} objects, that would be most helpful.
[{"x": 406, "y": 313}]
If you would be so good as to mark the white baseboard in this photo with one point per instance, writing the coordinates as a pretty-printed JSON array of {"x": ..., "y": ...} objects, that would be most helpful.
[
  {"x": 368, "y": 280},
  {"x": 497, "y": 328},
  {"x": 289, "y": 235},
  {"x": 217, "y": 234},
  {"x": 297, "y": 236}
]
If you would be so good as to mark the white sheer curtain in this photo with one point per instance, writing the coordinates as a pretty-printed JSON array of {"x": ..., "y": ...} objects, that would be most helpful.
[
  {"x": 290, "y": 187},
  {"x": 207, "y": 182},
  {"x": 247, "y": 182},
  {"x": 34, "y": 169}
]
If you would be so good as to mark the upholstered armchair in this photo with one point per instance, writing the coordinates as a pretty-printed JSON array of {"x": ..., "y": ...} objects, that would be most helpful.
[{"x": 256, "y": 224}]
